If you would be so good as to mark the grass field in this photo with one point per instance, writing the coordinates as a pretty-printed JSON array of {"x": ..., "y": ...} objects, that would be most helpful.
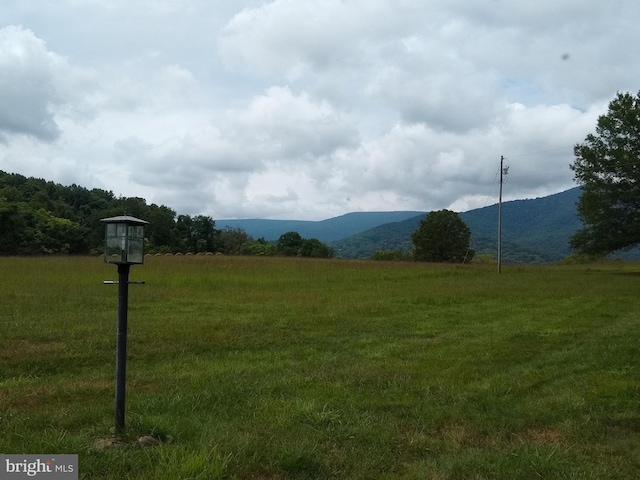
[{"x": 263, "y": 368}]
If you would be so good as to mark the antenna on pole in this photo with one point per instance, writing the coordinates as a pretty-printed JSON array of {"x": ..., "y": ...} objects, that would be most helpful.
[{"x": 503, "y": 173}]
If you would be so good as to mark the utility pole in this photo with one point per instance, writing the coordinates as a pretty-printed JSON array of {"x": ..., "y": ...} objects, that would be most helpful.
[{"x": 503, "y": 173}]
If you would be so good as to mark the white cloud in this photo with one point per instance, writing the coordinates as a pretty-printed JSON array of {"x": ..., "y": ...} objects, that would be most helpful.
[
  {"x": 283, "y": 127},
  {"x": 291, "y": 36},
  {"x": 28, "y": 85}
]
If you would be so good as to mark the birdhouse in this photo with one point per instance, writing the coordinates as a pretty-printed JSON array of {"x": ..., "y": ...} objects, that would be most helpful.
[{"x": 124, "y": 240}]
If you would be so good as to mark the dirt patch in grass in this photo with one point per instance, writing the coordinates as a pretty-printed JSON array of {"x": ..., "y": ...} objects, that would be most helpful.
[
  {"x": 460, "y": 436},
  {"x": 143, "y": 441},
  {"x": 453, "y": 436},
  {"x": 30, "y": 348},
  {"x": 34, "y": 396},
  {"x": 95, "y": 384},
  {"x": 267, "y": 476},
  {"x": 543, "y": 436},
  {"x": 26, "y": 398}
]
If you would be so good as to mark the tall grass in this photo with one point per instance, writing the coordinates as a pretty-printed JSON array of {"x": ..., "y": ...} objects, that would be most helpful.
[{"x": 288, "y": 368}]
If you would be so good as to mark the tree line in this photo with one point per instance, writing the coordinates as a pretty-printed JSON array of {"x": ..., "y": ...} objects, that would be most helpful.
[{"x": 41, "y": 217}]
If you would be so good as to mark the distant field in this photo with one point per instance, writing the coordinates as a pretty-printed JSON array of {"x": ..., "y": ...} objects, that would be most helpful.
[{"x": 267, "y": 368}]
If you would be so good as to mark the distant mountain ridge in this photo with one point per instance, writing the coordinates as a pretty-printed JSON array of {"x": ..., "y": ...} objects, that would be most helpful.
[
  {"x": 328, "y": 230},
  {"x": 533, "y": 230}
]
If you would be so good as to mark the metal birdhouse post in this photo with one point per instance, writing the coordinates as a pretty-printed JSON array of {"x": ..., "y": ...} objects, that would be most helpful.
[{"x": 123, "y": 246}]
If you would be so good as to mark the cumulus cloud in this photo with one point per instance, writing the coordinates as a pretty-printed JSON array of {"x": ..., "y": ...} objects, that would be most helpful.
[
  {"x": 290, "y": 36},
  {"x": 284, "y": 126},
  {"x": 429, "y": 84},
  {"x": 36, "y": 86},
  {"x": 27, "y": 85}
]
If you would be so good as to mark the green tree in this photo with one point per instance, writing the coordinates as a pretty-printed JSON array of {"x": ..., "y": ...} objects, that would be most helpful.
[
  {"x": 312, "y": 247},
  {"x": 442, "y": 237},
  {"x": 259, "y": 247},
  {"x": 12, "y": 227},
  {"x": 161, "y": 230},
  {"x": 205, "y": 230},
  {"x": 607, "y": 166},
  {"x": 197, "y": 234},
  {"x": 289, "y": 244},
  {"x": 59, "y": 235},
  {"x": 232, "y": 240}
]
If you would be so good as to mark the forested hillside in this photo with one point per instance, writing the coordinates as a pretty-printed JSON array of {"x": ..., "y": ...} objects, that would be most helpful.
[
  {"x": 535, "y": 227},
  {"x": 533, "y": 231},
  {"x": 38, "y": 217}
]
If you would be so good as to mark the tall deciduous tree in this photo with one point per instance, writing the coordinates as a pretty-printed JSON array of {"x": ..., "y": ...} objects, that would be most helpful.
[
  {"x": 607, "y": 166},
  {"x": 232, "y": 240},
  {"x": 442, "y": 237},
  {"x": 289, "y": 244},
  {"x": 312, "y": 247}
]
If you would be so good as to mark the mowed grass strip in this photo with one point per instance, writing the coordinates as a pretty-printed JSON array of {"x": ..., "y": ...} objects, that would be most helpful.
[{"x": 272, "y": 368}]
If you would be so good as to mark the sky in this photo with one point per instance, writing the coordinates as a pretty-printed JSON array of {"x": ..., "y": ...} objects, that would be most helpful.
[{"x": 309, "y": 109}]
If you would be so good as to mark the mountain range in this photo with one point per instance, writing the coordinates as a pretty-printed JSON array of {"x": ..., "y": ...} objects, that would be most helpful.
[
  {"x": 328, "y": 231},
  {"x": 533, "y": 230}
]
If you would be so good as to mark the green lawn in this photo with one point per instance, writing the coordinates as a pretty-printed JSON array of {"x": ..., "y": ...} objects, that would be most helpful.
[{"x": 265, "y": 368}]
